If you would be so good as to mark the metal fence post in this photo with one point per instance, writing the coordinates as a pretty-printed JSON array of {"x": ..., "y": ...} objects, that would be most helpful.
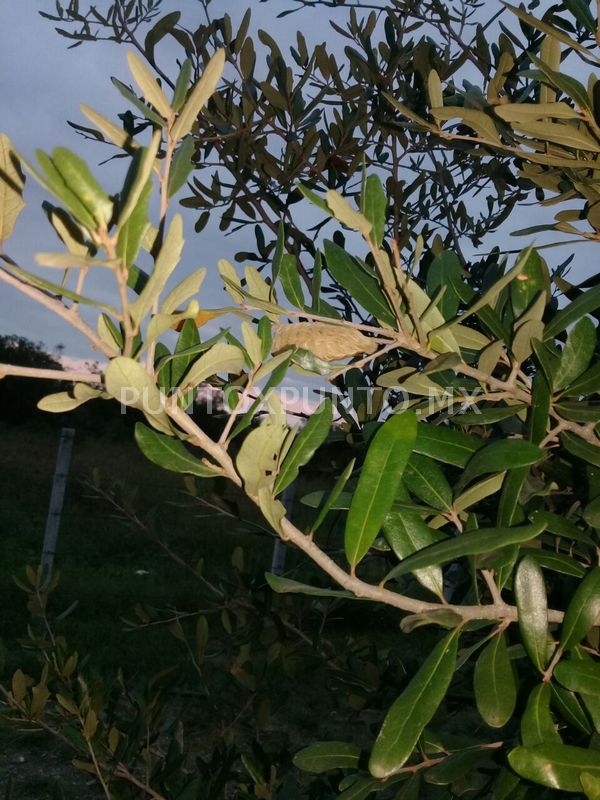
[{"x": 59, "y": 485}]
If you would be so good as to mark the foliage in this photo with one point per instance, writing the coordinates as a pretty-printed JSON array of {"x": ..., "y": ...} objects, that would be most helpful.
[
  {"x": 19, "y": 396},
  {"x": 474, "y": 504}
]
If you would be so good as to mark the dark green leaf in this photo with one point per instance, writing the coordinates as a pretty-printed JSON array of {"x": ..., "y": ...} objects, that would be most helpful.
[
  {"x": 494, "y": 683},
  {"x": 305, "y": 445},
  {"x": 540, "y": 408},
  {"x": 467, "y": 544},
  {"x": 181, "y": 86},
  {"x": 501, "y": 455},
  {"x": 532, "y": 280},
  {"x": 579, "y": 447},
  {"x": 325, "y": 756},
  {"x": 557, "y": 766},
  {"x": 373, "y": 207},
  {"x": 131, "y": 234},
  {"x": 583, "y": 610},
  {"x": 407, "y": 533},
  {"x": 586, "y": 303},
  {"x": 363, "y": 286},
  {"x": 577, "y": 354},
  {"x": 378, "y": 484},
  {"x": 288, "y": 586},
  {"x": 537, "y": 725},
  {"x": 334, "y": 495},
  {"x": 290, "y": 280},
  {"x": 445, "y": 272},
  {"x": 415, "y": 707},
  {"x": 169, "y": 453},
  {"x": 532, "y": 604},
  {"x": 582, "y": 677},
  {"x": 585, "y": 384},
  {"x": 425, "y": 479},
  {"x": 181, "y": 165},
  {"x": 446, "y": 445}
]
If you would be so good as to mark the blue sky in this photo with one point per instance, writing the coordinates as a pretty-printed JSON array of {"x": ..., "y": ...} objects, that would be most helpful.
[{"x": 41, "y": 86}]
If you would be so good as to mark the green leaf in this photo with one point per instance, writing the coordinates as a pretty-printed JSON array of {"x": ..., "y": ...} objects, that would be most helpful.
[
  {"x": 557, "y": 766},
  {"x": 199, "y": 96},
  {"x": 532, "y": 279},
  {"x": 132, "y": 98},
  {"x": 467, "y": 544},
  {"x": 548, "y": 358},
  {"x": 557, "y": 562},
  {"x": 363, "y": 287},
  {"x": 532, "y": 604},
  {"x": 189, "y": 287},
  {"x": 585, "y": 303},
  {"x": 148, "y": 86},
  {"x": 494, "y": 683},
  {"x": 501, "y": 455},
  {"x": 489, "y": 297},
  {"x": 305, "y": 445},
  {"x": 578, "y": 411},
  {"x": 129, "y": 383},
  {"x": 333, "y": 496},
  {"x": 583, "y": 610},
  {"x": 580, "y": 448},
  {"x": 113, "y": 133},
  {"x": 537, "y": 725},
  {"x": 60, "y": 402},
  {"x": 344, "y": 213},
  {"x": 360, "y": 789},
  {"x": 407, "y": 533},
  {"x": 540, "y": 408},
  {"x": 591, "y": 785},
  {"x": 181, "y": 86},
  {"x": 582, "y": 677},
  {"x": 586, "y": 384},
  {"x": 378, "y": 484},
  {"x": 181, "y": 166},
  {"x": 565, "y": 83},
  {"x": 12, "y": 182},
  {"x": 446, "y": 445},
  {"x": 169, "y": 453},
  {"x": 509, "y": 510},
  {"x": 577, "y": 354},
  {"x": 290, "y": 280},
  {"x": 324, "y": 756},
  {"x": 445, "y": 271},
  {"x": 569, "y": 708},
  {"x": 373, "y": 207},
  {"x": 412, "y": 711},
  {"x": 54, "y": 288},
  {"x": 549, "y": 30},
  {"x": 55, "y": 184},
  {"x": 137, "y": 178},
  {"x": 79, "y": 180},
  {"x": 288, "y": 586},
  {"x": 258, "y": 456},
  {"x": 131, "y": 234},
  {"x": 167, "y": 260},
  {"x": 221, "y": 358},
  {"x": 425, "y": 479}
]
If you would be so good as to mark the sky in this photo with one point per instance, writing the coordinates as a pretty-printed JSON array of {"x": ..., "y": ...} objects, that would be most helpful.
[{"x": 41, "y": 86}]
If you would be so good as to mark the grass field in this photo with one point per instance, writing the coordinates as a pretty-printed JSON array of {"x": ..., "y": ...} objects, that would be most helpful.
[{"x": 107, "y": 566}]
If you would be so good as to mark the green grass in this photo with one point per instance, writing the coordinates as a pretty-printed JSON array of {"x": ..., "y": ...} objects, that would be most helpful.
[{"x": 106, "y": 564}]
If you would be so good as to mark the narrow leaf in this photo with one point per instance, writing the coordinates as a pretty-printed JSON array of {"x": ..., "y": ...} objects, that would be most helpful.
[
  {"x": 378, "y": 484},
  {"x": 408, "y": 716}
]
